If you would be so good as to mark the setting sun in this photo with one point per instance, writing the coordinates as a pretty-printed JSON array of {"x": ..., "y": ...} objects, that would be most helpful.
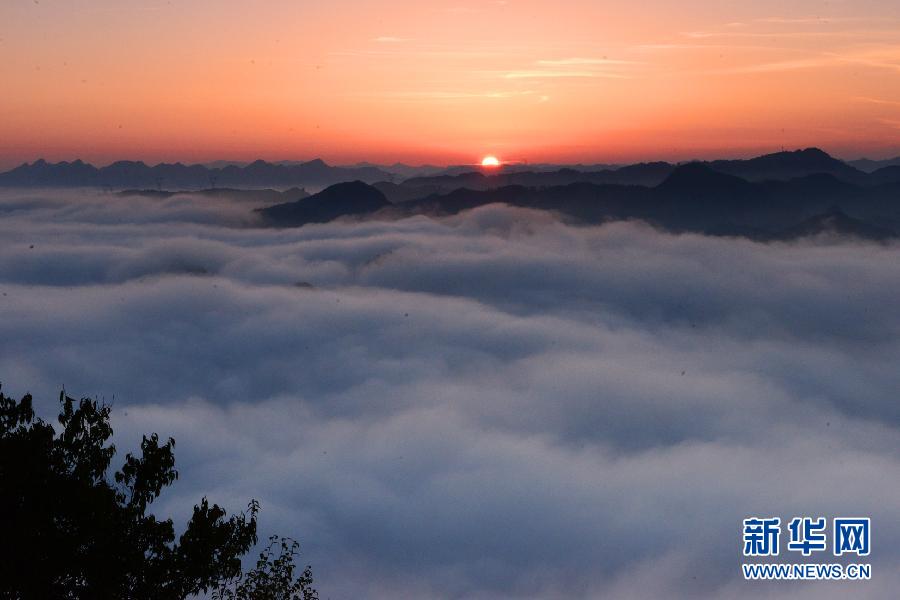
[{"x": 490, "y": 161}]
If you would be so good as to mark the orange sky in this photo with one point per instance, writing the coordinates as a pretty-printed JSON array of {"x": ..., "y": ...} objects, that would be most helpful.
[{"x": 445, "y": 81}]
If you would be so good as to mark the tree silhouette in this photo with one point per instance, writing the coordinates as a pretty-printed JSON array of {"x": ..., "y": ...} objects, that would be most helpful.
[
  {"x": 69, "y": 531},
  {"x": 273, "y": 578}
]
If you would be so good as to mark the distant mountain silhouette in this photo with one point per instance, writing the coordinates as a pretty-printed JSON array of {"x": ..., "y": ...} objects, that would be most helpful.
[
  {"x": 693, "y": 198},
  {"x": 342, "y": 199},
  {"x": 836, "y": 223},
  {"x": 869, "y": 166},
  {"x": 399, "y": 193},
  {"x": 778, "y": 166},
  {"x": 253, "y": 195},
  {"x": 889, "y": 174},
  {"x": 699, "y": 180},
  {"x": 789, "y": 165},
  {"x": 775, "y": 196},
  {"x": 408, "y": 172},
  {"x": 131, "y": 174},
  {"x": 470, "y": 179},
  {"x": 426, "y": 179},
  {"x": 639, "y": 174}
]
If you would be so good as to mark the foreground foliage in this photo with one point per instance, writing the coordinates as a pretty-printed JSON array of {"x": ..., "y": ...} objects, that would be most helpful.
[{"x": 71, "y": 531}]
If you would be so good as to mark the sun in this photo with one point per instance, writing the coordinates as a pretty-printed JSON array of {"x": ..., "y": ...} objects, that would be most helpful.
[{"x": 490, "y": 161}]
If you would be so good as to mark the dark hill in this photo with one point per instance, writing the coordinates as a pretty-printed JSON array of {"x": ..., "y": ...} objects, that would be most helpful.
[
  {"x": 699, "y": 180},
  {"x": 342, "y": 199},
  {"x": 836, "y": 223},
  {"x": 870, "y": 166},
  {"x": 693, "y": 198},
  {"x": 890, "y": 174},
  {"x": 789, "y": 165}
]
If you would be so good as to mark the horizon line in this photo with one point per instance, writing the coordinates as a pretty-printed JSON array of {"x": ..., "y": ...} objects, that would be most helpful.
[{"x": 210, "y": 164}]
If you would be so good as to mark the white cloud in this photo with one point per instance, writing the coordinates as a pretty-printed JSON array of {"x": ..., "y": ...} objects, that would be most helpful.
[
  {"x": 389, "y": 39},
  {"x": 561, "y": 62},
  {"x": 558, "y": 74},
  {"x": 495, "y": 404}
]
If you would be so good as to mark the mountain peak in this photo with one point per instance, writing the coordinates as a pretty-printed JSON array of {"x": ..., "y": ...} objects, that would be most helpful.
[
  {"x": 127, "y": 163},
  {"x": 356, "y": 189},
  {"x": 813, "y": 151},
  {"x": 788, "y": 164},
  {"x": 341, "y": 199},
  {"x": 811, "y": 155}
]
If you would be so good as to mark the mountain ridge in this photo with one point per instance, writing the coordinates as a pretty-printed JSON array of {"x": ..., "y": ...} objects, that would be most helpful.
[
  {"x": 693, "y": 198},
  {"x": 137, "y": 174}
]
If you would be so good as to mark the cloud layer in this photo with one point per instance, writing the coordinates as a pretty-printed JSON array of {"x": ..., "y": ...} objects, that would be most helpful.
[{"x": 491, "y": 405}]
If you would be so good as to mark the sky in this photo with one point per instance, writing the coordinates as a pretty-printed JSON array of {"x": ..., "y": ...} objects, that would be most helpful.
[
  {"x": 492, "y": 405},
  {"x": 446, "y": 81}
]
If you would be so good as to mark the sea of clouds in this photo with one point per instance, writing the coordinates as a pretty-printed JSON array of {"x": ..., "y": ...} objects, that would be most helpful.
[{"x": 492, "y": 405}]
